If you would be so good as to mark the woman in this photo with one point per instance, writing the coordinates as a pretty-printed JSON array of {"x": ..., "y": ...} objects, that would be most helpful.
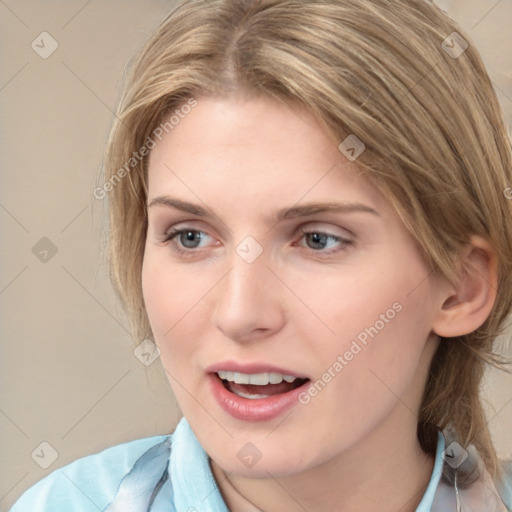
[{"x": 309, "y": 216}]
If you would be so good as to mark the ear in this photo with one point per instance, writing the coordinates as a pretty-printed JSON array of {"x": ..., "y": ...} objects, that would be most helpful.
[{"x": 467, "y": 304}]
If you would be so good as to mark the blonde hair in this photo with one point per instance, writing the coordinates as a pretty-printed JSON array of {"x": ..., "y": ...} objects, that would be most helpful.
[{"x": 436, "y": 143}]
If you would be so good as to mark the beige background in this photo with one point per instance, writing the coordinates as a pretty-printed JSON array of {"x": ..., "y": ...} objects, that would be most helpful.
[{"x": 68, "y": 373}]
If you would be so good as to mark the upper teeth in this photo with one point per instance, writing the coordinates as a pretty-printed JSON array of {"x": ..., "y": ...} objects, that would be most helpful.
[{"x": 259, "y": 379}]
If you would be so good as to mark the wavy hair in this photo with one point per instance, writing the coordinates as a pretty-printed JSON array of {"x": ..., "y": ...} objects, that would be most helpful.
[{"x": 390, "y": 72}]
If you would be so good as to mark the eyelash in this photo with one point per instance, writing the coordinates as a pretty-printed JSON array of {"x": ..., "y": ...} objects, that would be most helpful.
[{"x": 345, "y": 243}]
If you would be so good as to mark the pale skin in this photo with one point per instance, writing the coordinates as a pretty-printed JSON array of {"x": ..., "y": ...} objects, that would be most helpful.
[{"x": 298, "y": 305}]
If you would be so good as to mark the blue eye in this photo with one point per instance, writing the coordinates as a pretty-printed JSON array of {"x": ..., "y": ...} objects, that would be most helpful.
[
  {"x": 185, "y": 240},
  {"x": 318, "y": 241},
  {"x": 188, "y": 237}
]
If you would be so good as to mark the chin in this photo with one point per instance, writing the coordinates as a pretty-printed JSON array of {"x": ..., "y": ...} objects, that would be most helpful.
[{"x": 269, "y": 461}]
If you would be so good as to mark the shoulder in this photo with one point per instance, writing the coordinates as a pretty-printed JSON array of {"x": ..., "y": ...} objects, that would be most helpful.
[
  {"x": 505, "y": 485},
  {"x": 88, "y": 483}
]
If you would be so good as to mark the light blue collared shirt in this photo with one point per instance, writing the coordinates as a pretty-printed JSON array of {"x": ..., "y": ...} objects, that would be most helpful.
[{"x": 91, "y": 483}]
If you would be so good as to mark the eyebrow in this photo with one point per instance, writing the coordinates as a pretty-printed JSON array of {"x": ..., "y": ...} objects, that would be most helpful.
[{"x": 284, "y": 214}]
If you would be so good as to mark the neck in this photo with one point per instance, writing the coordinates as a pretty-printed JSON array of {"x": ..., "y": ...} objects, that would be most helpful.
[{"x": 385, "y": 471}]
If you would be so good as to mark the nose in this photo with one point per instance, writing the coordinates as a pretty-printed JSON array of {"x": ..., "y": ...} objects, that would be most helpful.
[{"x": 250, "y": 301}]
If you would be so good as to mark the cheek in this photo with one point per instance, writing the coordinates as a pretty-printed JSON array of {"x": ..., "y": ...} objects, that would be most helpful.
[
  {"x": 174, "y": 301},
  {"x": 167, "y": 301},
  {"x": 353, "y": 298},
  {"x": 373, "y": 315},
  {"x": 159, "y": 303},
  {"x": 169, "y": 292}
]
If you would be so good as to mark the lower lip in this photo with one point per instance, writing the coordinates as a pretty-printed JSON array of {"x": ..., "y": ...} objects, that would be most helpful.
[{"x": 261, "y": 409}]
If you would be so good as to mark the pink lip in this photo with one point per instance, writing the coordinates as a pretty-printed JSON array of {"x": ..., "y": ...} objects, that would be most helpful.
[
  {"x": 255, "y": 367},
  {"x": 245, "y": 409}
]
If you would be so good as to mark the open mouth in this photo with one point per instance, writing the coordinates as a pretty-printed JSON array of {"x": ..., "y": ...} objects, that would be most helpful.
[{"x": 259, "y": 385}]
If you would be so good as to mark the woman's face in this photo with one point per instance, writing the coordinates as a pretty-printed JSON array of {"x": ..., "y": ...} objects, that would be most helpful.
[{"x": 283, "y": 262}]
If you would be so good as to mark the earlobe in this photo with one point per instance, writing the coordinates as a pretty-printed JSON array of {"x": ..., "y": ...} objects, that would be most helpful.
[{"x": 468, "y": 303}]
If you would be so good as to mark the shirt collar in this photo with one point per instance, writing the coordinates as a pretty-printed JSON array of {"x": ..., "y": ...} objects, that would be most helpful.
[
  {"x": 428, "y": 498},
  {"x": 191, "y": 476}
]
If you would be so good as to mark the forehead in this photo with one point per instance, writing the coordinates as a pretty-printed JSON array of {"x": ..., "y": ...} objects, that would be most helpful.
[{"x": 253, "y": 151}]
